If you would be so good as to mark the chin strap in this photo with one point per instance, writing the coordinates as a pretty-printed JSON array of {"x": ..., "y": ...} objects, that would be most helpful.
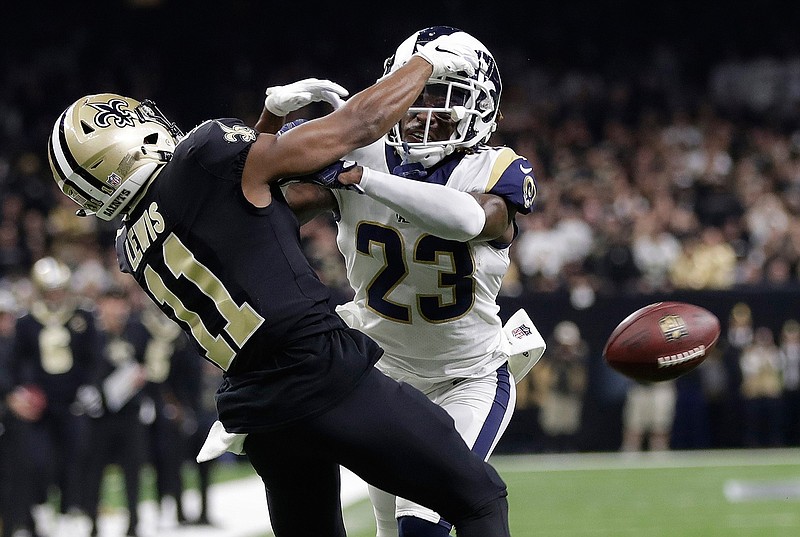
[{"x": 426, "y": 156}]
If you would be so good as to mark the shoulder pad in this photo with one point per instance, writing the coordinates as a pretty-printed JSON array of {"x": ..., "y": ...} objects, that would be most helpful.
[{"x": 511, "y": 178}]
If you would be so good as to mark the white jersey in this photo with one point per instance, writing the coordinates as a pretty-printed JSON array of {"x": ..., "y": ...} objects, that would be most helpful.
[{"x": 428, "y": 301}]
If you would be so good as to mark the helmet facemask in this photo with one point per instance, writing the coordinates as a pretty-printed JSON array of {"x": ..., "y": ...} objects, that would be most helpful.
[{"x": 470, "y": 104}]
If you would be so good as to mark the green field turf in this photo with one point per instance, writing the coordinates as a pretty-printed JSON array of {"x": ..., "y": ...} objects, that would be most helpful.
[
  {"x": 679, "y": 494},
  {"x": 736, "y": 493}
]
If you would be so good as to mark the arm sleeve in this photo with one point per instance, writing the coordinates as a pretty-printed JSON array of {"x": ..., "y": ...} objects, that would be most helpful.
[{"x": 443, "y": 211}]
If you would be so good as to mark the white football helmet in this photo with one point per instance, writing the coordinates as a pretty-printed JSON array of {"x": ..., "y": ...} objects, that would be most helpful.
[
  {"x": 471, "y": 102},
  {"x": 106, "y": 147}
]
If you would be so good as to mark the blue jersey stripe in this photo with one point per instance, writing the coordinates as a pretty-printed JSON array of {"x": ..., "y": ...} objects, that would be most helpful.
[{"x": 491, "y": 427}]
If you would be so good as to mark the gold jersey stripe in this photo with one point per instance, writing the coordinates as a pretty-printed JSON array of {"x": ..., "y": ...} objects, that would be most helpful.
[{"x": 504, "y": 159}]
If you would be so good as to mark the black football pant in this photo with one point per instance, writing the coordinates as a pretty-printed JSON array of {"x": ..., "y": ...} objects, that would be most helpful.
[
  {"x": 393, "y": 437},
  {"x": 17, "y": 495},
  {"x": 57, "y": 451},
  {"x": 121, "y": 439}
]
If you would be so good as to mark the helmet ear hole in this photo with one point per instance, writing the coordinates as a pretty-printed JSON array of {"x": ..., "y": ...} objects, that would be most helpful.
[
  {"x": 87, "y": 129},
  {"x": 151, "y": 139}
]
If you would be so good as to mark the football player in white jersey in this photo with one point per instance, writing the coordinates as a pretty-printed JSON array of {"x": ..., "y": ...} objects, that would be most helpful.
[{"x": 425, "y": 219}]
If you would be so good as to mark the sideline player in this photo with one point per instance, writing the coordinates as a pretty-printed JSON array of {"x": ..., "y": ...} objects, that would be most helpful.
[
  {"x": 426, "y": 250},
  {"x": 208, "y": 234},
  {"x": 54, "y": 350}
]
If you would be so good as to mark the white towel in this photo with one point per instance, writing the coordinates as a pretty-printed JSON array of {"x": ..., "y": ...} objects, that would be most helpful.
[{"x": 219, "y": 441}]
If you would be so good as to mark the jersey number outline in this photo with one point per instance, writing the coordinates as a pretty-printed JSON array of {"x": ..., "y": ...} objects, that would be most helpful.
[
  {"x": 241, "y": 322},
  {"x": 428, "y": 249}
]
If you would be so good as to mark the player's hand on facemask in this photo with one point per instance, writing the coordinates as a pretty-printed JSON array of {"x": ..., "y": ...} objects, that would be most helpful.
[
  {"x": 281, "y": 100},
  {"x": 449, "y": 54}
]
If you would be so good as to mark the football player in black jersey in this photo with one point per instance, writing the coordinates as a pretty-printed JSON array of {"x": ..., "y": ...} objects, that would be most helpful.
[
  {"x": 208, "y": 235},
  {"x": 118, "y": 433},
  {"x": 54, "y": 350}
]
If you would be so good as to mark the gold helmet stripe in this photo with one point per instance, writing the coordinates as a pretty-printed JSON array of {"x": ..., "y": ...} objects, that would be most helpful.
[
  {"x": 69, "y": 166},
  {"x": 62, "y": 179}
]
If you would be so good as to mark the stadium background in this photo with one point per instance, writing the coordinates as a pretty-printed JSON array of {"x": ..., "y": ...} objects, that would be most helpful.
[{"x": 578, "y": 76}]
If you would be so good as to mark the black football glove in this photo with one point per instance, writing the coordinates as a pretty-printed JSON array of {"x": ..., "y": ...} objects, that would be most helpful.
[
  {"x": 290, "y": 125},
  {"x": 413, "y": 170},
  {"x": 329, "y": 176}
]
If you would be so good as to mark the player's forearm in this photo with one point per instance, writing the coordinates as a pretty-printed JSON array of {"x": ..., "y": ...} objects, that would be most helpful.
[
  {"x": 442, "y": 211},
  {"x": 376, "y": 109},
  {"x": 268, "y": 122}
]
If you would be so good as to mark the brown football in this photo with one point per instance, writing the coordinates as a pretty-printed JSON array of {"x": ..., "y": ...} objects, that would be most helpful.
[{"x": 662, "y": 341}]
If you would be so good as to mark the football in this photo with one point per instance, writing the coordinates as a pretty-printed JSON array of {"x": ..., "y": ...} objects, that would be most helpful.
[{"x": 662, "y": 341}]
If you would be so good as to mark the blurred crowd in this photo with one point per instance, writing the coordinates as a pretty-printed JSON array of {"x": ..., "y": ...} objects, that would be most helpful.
[
  {"x": 648, "y": 179},
  {"x": 642, "y": 189}
]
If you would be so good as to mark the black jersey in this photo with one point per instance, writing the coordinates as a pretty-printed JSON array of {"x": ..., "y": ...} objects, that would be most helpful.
[
  {"x": 234, "y": 276},
  {"x": 56, "y": 350},
  {"x": 117, "y": 351}
]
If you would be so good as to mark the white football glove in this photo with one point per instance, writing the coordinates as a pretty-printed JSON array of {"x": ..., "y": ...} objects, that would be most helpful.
[
  {"x": 449, "y": 54},
  {"x": 284, "y": 99}
]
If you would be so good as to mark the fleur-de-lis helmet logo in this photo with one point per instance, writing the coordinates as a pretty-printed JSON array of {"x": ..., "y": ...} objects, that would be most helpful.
[{"x": 113, "y": 111}]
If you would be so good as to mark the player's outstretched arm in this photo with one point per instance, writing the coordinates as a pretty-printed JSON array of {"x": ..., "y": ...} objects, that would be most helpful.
[
  {"x": 364, "y": 118},
  {"x": 361, "y": 120}
]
